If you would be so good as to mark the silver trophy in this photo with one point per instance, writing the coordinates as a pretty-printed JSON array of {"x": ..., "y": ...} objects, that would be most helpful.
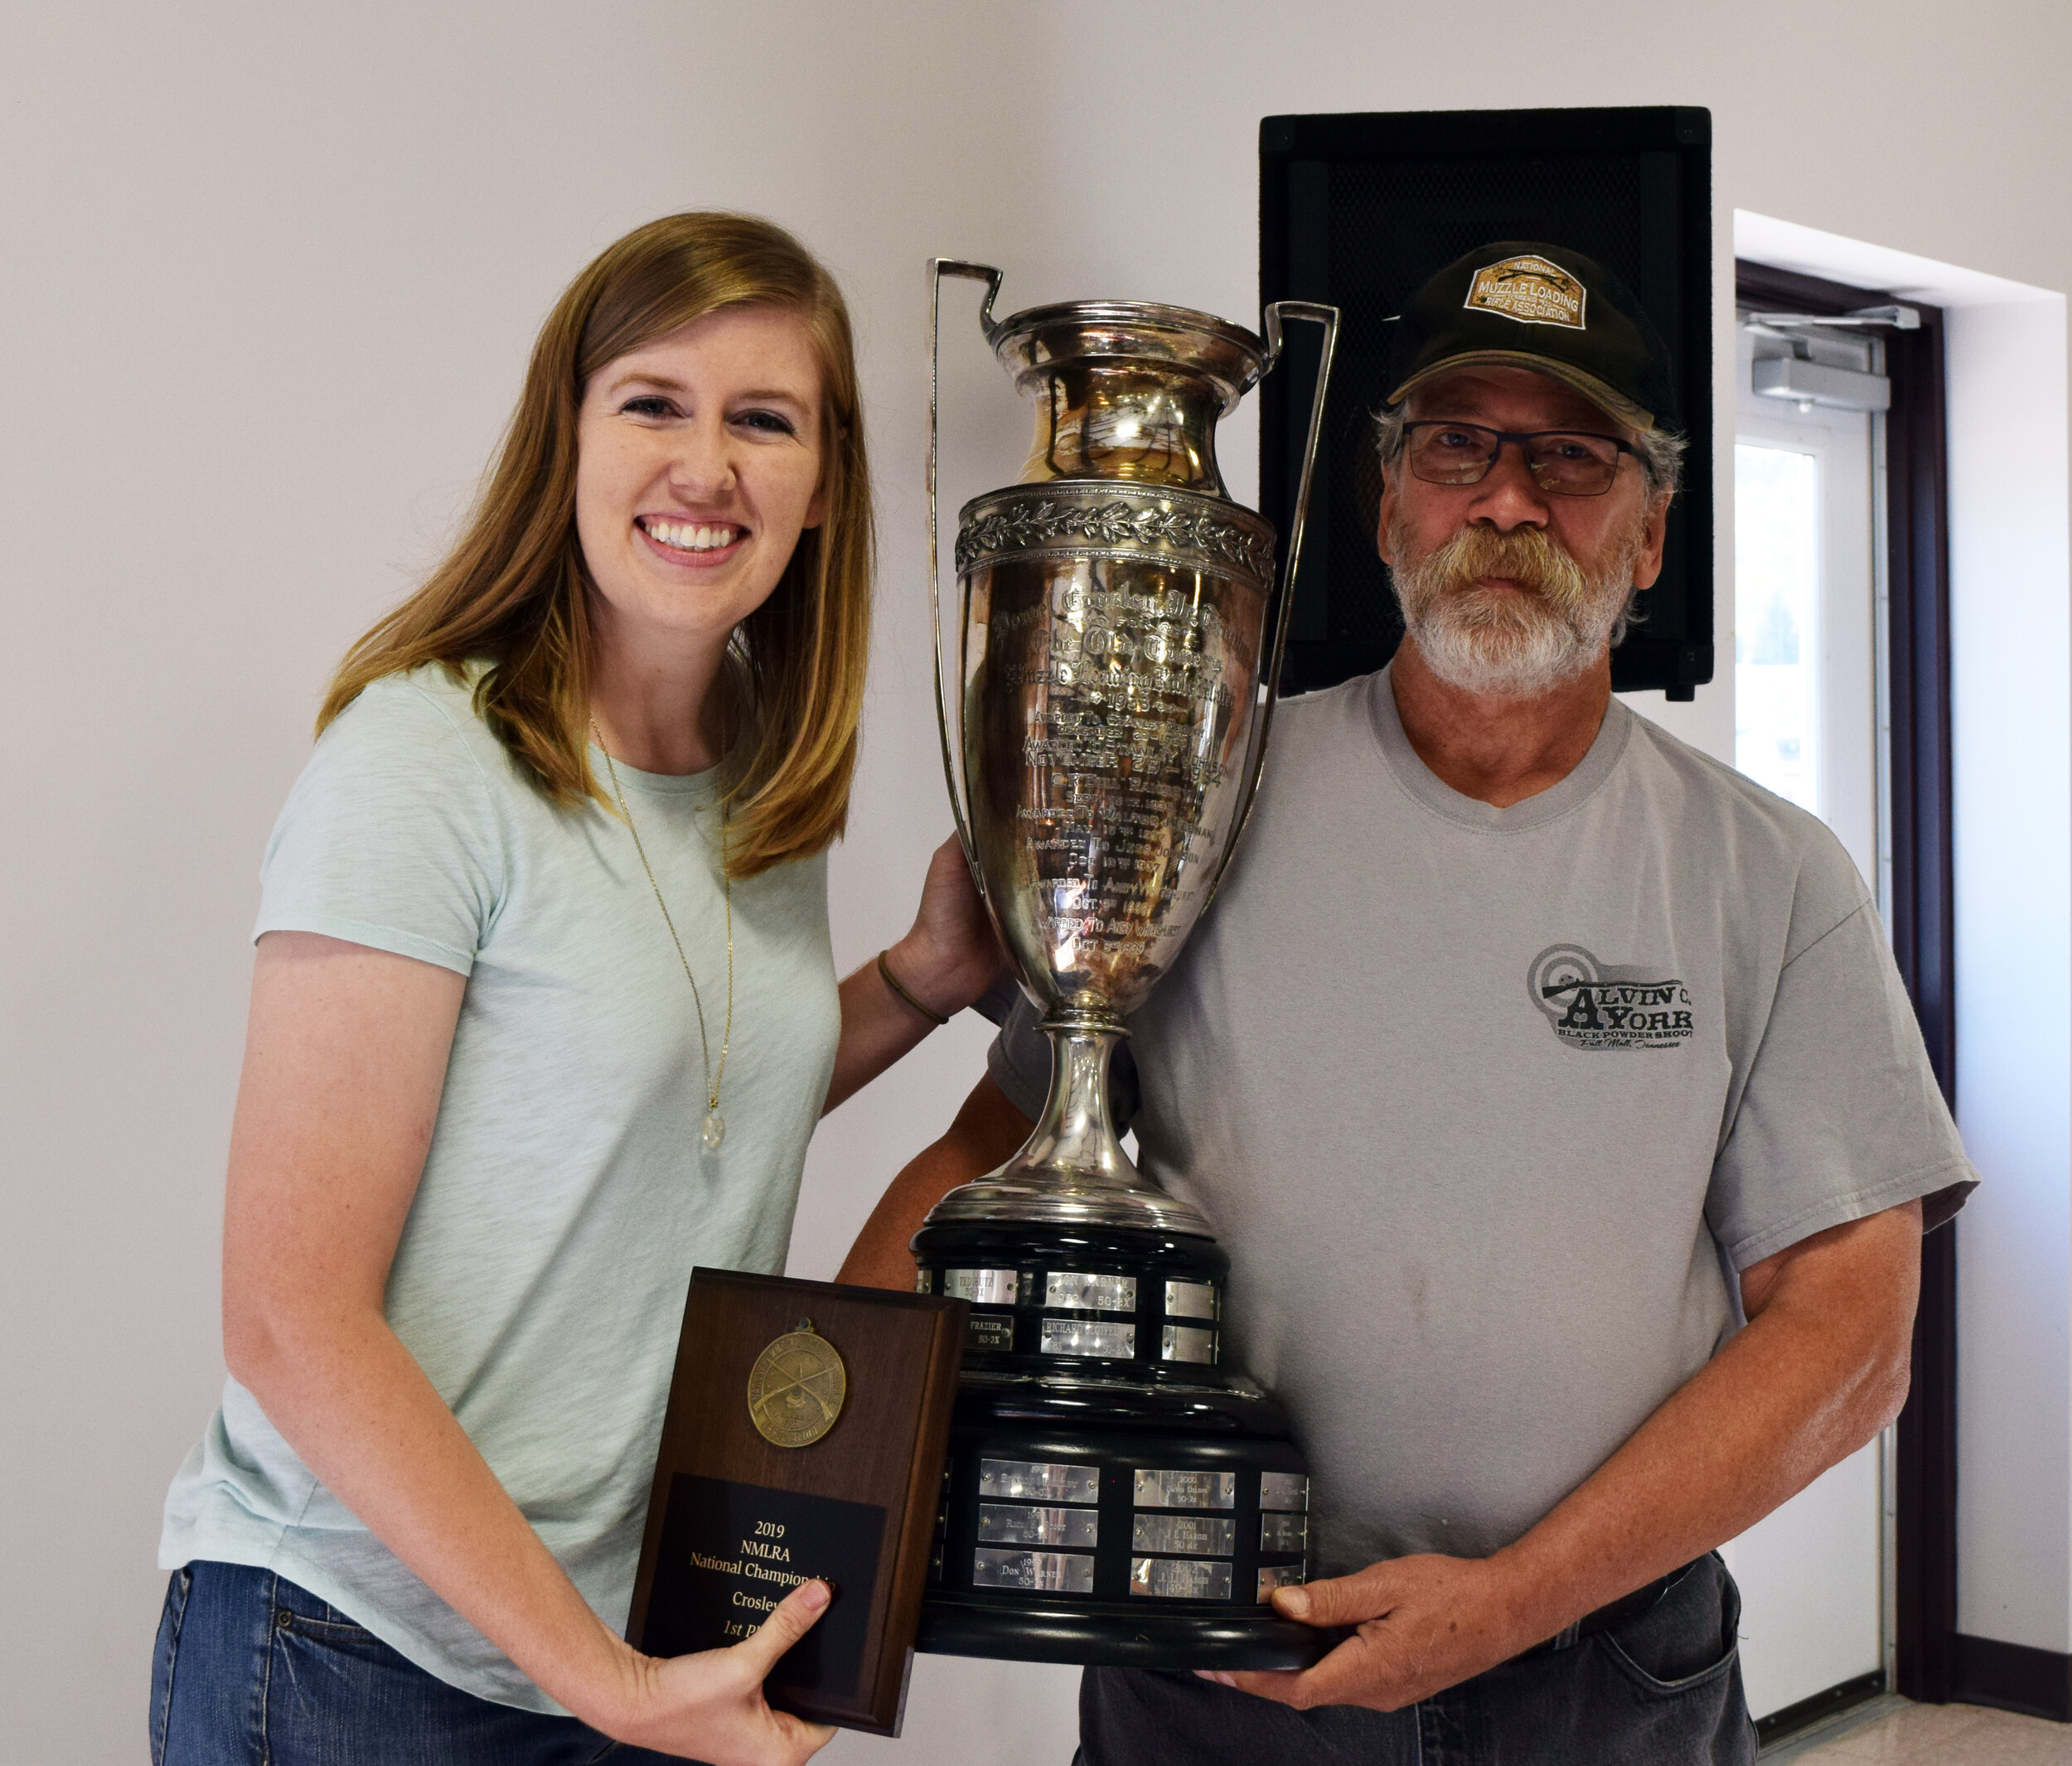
[{"x": 1114, "y": 1494}]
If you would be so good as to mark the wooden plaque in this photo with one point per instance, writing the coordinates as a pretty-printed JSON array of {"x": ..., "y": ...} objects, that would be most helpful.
[{"x": 737, "y": 1517}]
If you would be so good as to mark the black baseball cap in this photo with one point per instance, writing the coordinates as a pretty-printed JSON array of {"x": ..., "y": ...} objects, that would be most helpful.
[{"x": 1528, "y": 305}]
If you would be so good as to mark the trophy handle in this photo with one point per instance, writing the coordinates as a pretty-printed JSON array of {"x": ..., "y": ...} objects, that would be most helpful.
[
  {"x": 938, "y": 267},
  {"x": 1270, "y": 677}
]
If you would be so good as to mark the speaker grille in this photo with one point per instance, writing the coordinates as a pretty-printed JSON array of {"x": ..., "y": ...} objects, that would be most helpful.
[{"x": 1357, "y": 210}]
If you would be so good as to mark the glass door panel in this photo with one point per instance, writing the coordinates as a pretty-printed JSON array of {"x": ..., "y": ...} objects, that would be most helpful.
[{"x": 1806, "y": 726}]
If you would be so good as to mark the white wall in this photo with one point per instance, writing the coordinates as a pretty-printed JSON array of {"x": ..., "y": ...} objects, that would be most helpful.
[
  {"x": 2012, "y": 705},
  {"x": 267, "y": 278}
]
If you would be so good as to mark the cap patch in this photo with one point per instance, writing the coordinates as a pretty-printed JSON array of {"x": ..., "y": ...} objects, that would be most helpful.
[{"x": 1530, "y": 290}]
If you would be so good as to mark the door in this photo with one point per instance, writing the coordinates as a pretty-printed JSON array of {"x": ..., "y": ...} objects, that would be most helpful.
[{"x": 1809, "y": 725}]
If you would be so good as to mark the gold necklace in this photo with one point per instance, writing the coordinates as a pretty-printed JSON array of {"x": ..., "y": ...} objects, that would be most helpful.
[{"x": 715, "y": 1125}]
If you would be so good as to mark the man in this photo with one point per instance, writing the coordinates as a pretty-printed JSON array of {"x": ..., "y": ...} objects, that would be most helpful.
[{"x": 1553, "y": 1089}]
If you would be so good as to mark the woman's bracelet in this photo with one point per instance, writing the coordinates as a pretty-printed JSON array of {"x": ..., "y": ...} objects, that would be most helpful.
[{"x": 893, "y": 981}]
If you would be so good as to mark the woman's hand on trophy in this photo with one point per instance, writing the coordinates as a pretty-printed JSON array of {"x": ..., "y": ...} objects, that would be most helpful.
[
  {"x": 950, "y": 957},
  {"x": 710, "y": 1706},
  {"x": 946, "y": 962}
]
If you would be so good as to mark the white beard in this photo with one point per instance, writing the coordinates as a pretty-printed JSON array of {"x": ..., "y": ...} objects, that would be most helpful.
[{"x": 1504, "y": 645}]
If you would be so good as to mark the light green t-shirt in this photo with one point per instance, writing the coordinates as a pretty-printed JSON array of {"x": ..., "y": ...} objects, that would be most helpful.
[{"x": 540, "y": 1278}]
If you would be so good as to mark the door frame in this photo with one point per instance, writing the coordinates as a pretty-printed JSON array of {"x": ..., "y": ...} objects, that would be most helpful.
[{"x": 1922, "y": 925}]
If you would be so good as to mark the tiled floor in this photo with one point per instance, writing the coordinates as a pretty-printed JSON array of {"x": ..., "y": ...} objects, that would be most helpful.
[{"x": 1946, "y": 1736}]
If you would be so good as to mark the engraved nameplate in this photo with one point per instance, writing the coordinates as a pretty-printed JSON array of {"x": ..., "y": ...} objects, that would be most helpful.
[
  {"x": 1187, "y": 1342},
  {"x": 1284, "y": 1532},
  {"x": 1087, "y": 1337},
  {"x": 1190, "y": 1299},
  {"x": 1073, "y": 1292},
  {"x": 1179, "y": 1579},
  {"x": 1287, "y": 1491},
  {"x": 1012, "y": 1525},
  {"x": 983, "y": 1287},
  {"x": 1272, "y": 1577},
  {"x": 1051, "y": 1572},
  {"x": 1186, "y": 1490},
  {"x": 981, "y": 1332},
  {"x": 924, "y": 1281},
  {"x": 1035, "y": 1480},
  {"x": 1185, "y": 1535}
]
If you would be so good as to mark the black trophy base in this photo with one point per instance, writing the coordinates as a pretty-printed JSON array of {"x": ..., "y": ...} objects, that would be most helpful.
[
  {"x": 1114, "y": 1496},
  {"x": 1111, "y": 1637}
]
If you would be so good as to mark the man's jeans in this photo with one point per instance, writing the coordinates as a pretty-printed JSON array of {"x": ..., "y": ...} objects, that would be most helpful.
[
  {"x": 252, "y": 1670},
  {"x": 1662, "y": 1688}
]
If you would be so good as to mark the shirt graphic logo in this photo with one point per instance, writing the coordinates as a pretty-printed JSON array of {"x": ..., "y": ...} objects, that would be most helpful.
[
  {"x": 1530, "y": 290},
  {"x": 1593, "y": 1005}
]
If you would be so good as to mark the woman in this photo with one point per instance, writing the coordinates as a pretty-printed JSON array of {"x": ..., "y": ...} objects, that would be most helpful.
[{"x": 542, "y": 1014}]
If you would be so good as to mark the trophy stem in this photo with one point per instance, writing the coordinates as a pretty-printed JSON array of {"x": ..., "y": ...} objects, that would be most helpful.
[
  {"x": 1075, "y": 1137},
  {"x": 1073, "y": 1170}
]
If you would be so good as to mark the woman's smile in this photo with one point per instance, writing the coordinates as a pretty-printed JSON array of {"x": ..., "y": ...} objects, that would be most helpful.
[{"x": 690, "y": 544}]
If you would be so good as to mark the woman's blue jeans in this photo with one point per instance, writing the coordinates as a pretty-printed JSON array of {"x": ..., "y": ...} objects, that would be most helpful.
[{"x": 252, "y": 1670}]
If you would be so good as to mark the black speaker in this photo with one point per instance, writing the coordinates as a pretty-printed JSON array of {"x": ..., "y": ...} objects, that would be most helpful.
[{"x": 1357, "y": 210}]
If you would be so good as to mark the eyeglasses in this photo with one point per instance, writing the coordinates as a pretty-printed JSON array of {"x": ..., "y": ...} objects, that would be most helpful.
[{"x": 1563, "y": 462}]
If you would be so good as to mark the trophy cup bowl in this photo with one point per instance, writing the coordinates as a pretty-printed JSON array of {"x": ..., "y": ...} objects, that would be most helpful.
[{"x": 1114, "y": 1494}]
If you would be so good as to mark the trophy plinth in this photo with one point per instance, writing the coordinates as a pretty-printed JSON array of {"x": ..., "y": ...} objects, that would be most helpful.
[{"x": 1114, "y": 1494}]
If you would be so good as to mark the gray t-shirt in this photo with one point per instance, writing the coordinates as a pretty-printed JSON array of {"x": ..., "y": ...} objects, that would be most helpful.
[
  {"x": 540, "y": 1277},
  {"x": 1484, "y": 1102}
]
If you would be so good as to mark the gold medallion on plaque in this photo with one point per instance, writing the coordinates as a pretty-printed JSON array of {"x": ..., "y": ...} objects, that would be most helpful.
[{"x": 796, "y": 1387}]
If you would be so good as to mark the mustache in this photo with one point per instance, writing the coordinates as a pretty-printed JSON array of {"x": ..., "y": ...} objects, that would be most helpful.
[{"x": 1525, "y": 555}]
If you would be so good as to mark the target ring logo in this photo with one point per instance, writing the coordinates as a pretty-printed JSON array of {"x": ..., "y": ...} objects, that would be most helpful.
[
  {"x": 1556, "y": 974},
  {"x": 1594, "y": 1005}
]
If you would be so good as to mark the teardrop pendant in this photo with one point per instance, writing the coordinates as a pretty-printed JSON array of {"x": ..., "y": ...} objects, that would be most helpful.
[{"x": 714, "y": 1131}]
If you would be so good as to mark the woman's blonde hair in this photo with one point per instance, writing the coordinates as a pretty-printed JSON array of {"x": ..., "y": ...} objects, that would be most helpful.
[{"x": 513, "y": 593}]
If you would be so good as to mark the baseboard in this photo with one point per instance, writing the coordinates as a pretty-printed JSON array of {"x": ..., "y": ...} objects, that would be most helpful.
[
  {"x": 2036, "y": 1683},
  {"x": 1787, "y": 1750},
  {"x": 1781, "y": 1726}
]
